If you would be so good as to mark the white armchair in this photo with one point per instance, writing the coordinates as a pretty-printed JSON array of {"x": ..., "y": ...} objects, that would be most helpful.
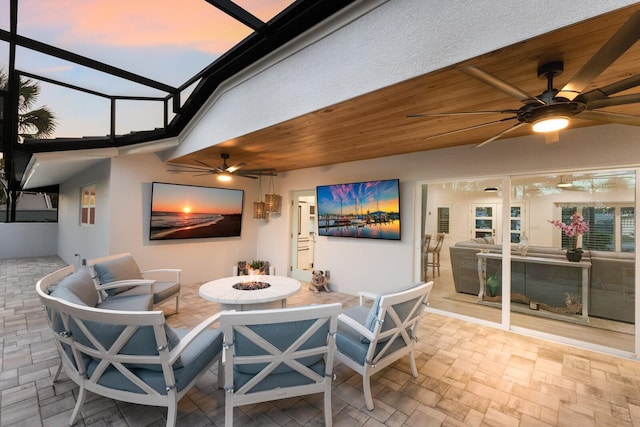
[
  {"x": 275, "y": 354},
  {"x": 119, "y": 275},
  {"x": 370, "y": 339}
]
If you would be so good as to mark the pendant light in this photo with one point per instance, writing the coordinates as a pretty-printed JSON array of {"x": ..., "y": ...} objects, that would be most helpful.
[
  {"x": 273, "y": 201},
  {"x": 259, "y": 207}
]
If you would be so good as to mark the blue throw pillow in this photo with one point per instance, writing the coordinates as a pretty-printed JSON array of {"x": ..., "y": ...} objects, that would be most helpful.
[
  {"x": 80, "y": 285},
  {"x": 121, "y": 268}
]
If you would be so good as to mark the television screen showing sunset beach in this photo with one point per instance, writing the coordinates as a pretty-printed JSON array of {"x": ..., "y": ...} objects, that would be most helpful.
[{"x": 188, "y": 212}]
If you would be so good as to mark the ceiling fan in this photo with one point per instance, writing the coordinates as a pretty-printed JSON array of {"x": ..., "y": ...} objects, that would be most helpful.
[
  {"x": 223, "y": 171},
  {"x": 553, "y": 109}
]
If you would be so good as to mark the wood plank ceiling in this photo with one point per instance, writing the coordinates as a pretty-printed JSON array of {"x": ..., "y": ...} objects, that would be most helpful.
[{"x": 375, "y": 124}]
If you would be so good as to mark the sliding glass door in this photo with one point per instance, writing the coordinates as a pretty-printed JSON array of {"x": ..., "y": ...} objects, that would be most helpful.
[{"x": 591, "y": 301}]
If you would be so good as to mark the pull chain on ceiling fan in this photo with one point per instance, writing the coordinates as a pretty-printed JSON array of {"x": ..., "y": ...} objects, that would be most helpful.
[{"x": 553, "y": 109}]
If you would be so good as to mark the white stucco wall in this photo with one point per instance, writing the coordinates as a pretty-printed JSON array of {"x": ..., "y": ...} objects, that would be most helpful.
[
  {"x": 25, "y": 239},
  {"x": 200, "y": 259},
  {"x": 76, "y": 242}
]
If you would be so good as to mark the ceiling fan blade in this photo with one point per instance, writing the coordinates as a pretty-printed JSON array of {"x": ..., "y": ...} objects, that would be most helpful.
[
  {"x": 187, "y": 168},
  {"x": 469, "y": 128},
  {"x": 603, "y": 116},
  {"x": 504, "y": 132},
  {"x": 608, "y": 90},
  {"x": 204, "y": 164},
  {"x": 500, "y": 84},
  {"x": 244, "y": 175},
  {"x": 233, "y": 168},
  {"x": 618, "y": 44},
  {"x": 463, "y": 113},
  {"x": 616, "y": 100}
]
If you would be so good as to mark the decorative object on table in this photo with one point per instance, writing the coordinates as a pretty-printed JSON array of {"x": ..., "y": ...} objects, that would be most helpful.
[
  {"x": 272, "y": 200},
  {"x": 574, "y": 232},
  {"x": 523, "y": 245},
  {"x": 319, "y": 281},
  {"x": 256, "y": 267},
  {"x": 492, "y": 285}
]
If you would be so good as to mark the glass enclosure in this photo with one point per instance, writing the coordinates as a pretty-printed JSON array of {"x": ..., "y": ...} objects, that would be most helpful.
[{"x": 551, "y": 292}]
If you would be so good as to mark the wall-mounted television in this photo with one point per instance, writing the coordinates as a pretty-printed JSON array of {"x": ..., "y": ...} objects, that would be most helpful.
[
  {"x": 181, "y": 211},
  {"x": 369, "y": 209}
]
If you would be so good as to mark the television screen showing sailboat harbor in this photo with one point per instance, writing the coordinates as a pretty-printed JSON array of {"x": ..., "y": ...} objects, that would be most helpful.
[{"x": 368, "y": 209}]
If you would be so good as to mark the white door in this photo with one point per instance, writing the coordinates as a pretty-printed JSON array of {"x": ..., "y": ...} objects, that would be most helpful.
[
  {"x": 303, "y": 232},
  {"x": 486, "y": 220}
]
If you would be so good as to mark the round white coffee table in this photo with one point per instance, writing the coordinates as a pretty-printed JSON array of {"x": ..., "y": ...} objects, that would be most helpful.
[{"x": 274, "y": 296}]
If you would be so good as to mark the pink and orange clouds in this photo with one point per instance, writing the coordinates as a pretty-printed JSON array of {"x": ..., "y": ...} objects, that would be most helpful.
[{"x": 190, "y": 24}]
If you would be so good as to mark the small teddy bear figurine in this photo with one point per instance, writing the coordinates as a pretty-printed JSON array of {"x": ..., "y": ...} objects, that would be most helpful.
[{"x": 319, "y": 281}]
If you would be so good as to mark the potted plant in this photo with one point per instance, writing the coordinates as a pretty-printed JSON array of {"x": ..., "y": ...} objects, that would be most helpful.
[
  {"x": 574, "y": 232},
  {"x": 256, "y": 267}
]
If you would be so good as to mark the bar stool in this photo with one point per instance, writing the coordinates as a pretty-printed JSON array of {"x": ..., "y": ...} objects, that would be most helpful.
[{"x": 434, "y": 250}]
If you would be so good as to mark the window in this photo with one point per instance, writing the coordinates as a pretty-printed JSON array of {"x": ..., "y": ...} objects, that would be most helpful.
[
  {"x": 88, "y": 205},
  {"x": 611, "y": 228},
  {"x": 627, "y": 229},
  {"x": 443, "y": 220}
]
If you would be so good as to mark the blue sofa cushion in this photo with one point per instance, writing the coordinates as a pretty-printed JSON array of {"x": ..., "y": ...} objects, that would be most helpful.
[
  {"x": 280, "y": 335},
  {"x": 196, "y": 357},
  {"x": 121, "y": 268},
  {"x": 80, "y": 284}
]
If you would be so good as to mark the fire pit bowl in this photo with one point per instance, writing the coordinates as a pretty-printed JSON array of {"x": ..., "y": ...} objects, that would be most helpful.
[{"x": 251, "y": 286}]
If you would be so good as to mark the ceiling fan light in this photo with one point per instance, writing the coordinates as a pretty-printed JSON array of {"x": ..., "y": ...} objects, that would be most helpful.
[
  {"x": 564, "y": 183},
  {"x": 550, "y": 124},
  {"x": 224, "y": 177}
]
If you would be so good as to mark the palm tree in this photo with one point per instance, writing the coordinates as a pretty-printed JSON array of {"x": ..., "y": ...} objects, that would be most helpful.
[{"x": 32, "y": 123}]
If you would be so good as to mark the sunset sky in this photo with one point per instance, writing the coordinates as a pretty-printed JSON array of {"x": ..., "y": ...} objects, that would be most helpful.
[
  {"x": 165, "y": 40},
  {"x": 371, "y": 196},
  {"x": 192, "y": 199}
]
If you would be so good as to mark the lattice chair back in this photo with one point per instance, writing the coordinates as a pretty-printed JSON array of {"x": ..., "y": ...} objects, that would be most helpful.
[{"x": 275, "y": 354}]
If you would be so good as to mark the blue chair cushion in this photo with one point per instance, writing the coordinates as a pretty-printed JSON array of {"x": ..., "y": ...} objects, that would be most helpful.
[
  {"x": 164, "y": 290},
  {"x": 372, "y": 315},
  {"x": 143, "y": 342},
  {"x": 281, "y": 336},
  {"x": 125, "y": 302},
  {"x": 350, "y": 343},
  {"x": 80, "y": 284},
  {"x": 196, "y": 357},
  {"x": 120, "y": 268}
]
